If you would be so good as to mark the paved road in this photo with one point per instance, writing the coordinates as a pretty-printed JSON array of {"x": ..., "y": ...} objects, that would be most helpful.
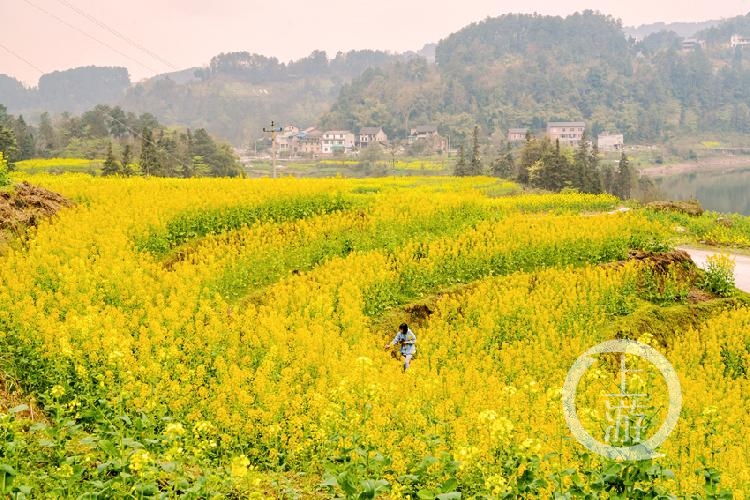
[{"x": 741, "y": 265}]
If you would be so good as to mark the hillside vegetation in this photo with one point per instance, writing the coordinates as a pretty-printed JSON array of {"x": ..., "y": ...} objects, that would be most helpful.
[
  {"x": 525, "y": 70},
  {"x": 234, "y": 97},
  {"x": 507, "y": 71}
]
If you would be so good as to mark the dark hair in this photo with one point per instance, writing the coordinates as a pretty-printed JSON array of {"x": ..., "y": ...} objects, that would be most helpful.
[{"x": 403, "y": 327}]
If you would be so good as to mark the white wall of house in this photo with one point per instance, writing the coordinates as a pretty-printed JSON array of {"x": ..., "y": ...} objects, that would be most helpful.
[
  {"x": 336, "y": 140},
  {"x": 610, "y": 142}
]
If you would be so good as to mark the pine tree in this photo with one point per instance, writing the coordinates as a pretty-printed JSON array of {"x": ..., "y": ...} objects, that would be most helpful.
[
  {"x": 187, "y": 161},
  {"x": 505, "y": 165},
  {"x": 149, "y": 157},
  {"x": 111, "y": 167},
  {"x": 461, "y": 169},
  {"x": 593, "y": 177},
  {"x": 581, "y": 166},
  {"x": 24, "y": 138},
  {"x": 475, "y": 160},
  {"x": 624, "y": 178},
  {"x": 46, "y": 135},
  {"x": 127, "y": 158}
]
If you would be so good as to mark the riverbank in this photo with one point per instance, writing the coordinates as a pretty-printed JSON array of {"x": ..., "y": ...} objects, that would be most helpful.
[{"x": 709, "y": 164}]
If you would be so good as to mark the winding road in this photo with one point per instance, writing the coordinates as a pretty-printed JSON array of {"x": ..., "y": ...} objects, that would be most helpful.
[{"x": 741, "y": 264}]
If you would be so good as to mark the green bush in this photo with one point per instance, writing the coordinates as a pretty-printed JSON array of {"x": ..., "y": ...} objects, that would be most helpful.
[
  {"x": 4, "y": 179},
  {"x": 719, "y": 277}
]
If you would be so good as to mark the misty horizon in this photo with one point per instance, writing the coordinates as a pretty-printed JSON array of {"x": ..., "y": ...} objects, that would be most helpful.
[{"x": 140, "y": 40}]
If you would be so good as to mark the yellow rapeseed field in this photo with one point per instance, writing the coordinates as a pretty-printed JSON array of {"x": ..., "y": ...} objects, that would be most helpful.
[{"x": 217, "y": 337}]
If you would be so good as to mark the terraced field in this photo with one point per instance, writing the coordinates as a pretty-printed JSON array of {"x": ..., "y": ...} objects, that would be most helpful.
[{"x": 212, "y": 337}]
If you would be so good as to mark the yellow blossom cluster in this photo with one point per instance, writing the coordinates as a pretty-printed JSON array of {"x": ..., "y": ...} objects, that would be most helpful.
[{"x": 261, "y": 347}]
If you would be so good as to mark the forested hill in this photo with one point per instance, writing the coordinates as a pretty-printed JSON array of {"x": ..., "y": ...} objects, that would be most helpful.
[
  {"x": 508, "y": 71},
  {"x": 233, "y": 97},
  {"x": 524, "y": 70},
  {"x": 73, "y": 90}
]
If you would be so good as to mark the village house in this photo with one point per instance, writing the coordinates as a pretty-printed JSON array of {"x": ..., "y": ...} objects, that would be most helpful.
[
  {"x": 607, "y": 142},
  {"x": 422, "y": 132},
  {"x": 368, "y": 135},
  {"x": 689, "y": 44},
  {"x": 309, "y": 142},
  {"x": 517, "y": 134},
  {"x": 568, "y": 133},
  {"x": 429, "y": 135},
  {"x": 336, "y": 141},
  {"x": 739, "y": 41},
  {"x": 287, "y": 141}
]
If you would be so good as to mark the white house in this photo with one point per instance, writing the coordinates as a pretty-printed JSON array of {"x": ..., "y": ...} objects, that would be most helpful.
[
  {"x": 739, "y": 41},
  {"x": 568, "y": 133},
  {"x": 517, "y": 134},
  {"x": 336, "y": 141},
  {"x": 692, "y": 44},
  {"x": 610, "y": 142}
]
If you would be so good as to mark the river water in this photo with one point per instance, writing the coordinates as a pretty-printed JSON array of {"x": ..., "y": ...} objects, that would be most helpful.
[{"x": 727, "y": 192}]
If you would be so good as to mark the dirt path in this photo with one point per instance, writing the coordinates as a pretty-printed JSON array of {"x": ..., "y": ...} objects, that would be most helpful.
[{"x": 741, "y": 264}]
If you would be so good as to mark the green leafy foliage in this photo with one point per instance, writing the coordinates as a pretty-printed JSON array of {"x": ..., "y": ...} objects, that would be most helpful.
[
  {"x": 197, "y": 224},
  {"x": 4, "y": 179},
  {"x": 719, "y": 277}
]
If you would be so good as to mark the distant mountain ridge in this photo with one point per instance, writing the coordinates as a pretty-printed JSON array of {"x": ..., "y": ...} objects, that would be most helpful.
[
  {"x": 685, "y": 30},
  {"x": 233, "y": 97},
  {"x": 526, "y": 70},
  {"x": 508, "y": 71}
]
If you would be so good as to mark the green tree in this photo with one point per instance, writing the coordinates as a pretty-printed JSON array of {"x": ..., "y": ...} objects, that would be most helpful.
[
  {"x": 532, "y": 154},
  {"x": 149, "y": 156},
  {"x": 126, "y": 161},
  {"x": 475, "y": 161},
  {"x": 593, "y": 173},
  {"x": 24, "y": 138},
  {"x": 46, "y": 135},
  {"x": 166, "y": 150},
  {"x": 4, "y": 178},
  {"x": 111, "y": 167},
  {"x": 582, "y": 165},
  {"x": 461, "y": 168},
  {"x": 505, "y": 164},
  {"x": 8, "y": 145},
  {"x": 199, "y": 168},
  {"x": 624, "y": 180},
  {"x": 371, "y": 157}
]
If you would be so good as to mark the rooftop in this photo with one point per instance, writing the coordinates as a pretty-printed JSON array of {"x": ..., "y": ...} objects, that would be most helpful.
[
  {"x": 566, "y": 124},
  {"x": 423, "y": 129}
]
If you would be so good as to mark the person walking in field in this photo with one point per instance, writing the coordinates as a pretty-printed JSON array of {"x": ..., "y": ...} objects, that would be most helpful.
[{"x": 406, "y": 339}]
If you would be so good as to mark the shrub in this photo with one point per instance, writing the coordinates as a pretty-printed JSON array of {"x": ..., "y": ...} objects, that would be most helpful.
[
  {"x": 4, "y": 179},
  {"x": 719, "y": 278}
]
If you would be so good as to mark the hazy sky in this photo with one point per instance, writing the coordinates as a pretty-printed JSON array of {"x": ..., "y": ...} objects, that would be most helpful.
[{"x": 59, "y": 34}]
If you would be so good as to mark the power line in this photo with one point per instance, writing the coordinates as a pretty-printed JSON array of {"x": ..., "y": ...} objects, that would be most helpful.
[
  {"x": 116, "y": 33},
  {"x": 105, "y": 44},
  {"x": 124, "y": 125},
  {"x": 21, "y": 58}
]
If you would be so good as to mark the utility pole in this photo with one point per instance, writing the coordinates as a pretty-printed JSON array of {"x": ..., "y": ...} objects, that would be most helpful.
[{"x": 273, "y": 130}]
